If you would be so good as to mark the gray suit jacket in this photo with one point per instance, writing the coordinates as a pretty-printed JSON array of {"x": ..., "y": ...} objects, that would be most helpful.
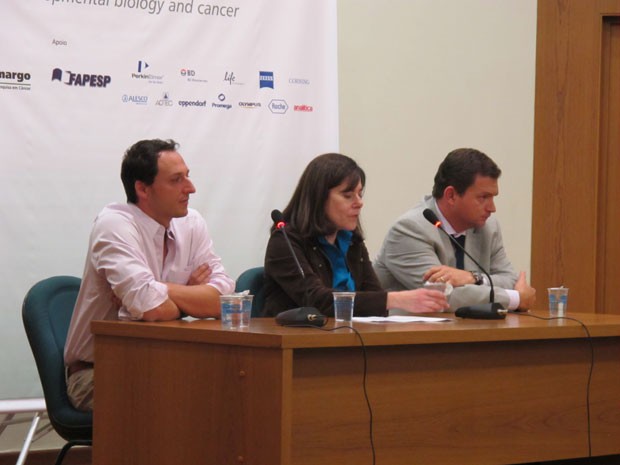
[{"x": 413, "y": 245}]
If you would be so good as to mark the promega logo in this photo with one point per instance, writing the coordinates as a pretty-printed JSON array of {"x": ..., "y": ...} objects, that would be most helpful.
[
  {"x": 265, "y": 79},
  {"x": 221, "y": 98},
  {"x": 278, "y": 106},
  {"x": 81, "y": 79}
]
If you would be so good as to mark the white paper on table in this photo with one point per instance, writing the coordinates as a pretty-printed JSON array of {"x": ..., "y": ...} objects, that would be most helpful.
[{"x": 399, "y": 319}]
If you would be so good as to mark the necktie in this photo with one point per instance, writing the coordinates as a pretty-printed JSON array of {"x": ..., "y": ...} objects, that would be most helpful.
[{"x": 458, "y": 253}]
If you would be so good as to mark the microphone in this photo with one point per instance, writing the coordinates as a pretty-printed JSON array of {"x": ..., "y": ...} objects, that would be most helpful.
[
  {"x": 301, "y": 316},
  {"x": 492, "y": 310}
]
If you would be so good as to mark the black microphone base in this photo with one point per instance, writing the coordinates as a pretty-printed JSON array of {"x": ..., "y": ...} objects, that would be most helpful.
[
  {"x": 302, "y": 316},
  {"x": 492, "y": 311}
]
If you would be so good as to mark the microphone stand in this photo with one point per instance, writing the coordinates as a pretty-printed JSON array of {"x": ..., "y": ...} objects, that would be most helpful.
[
  {"x": 304, "y": 315},
  {"x": 491, "y": 311}
]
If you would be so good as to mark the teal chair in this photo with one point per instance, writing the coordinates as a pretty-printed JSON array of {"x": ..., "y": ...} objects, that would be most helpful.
[
  {"x": 46, "y": 313},
  {"x": 253, "y": 280}
]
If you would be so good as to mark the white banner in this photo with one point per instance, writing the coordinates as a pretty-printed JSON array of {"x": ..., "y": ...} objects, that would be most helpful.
[{"x": 248, "y": 89}]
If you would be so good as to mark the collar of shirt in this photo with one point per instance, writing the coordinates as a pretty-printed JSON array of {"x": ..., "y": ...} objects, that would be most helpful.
[{"x": 446, "y": 224}]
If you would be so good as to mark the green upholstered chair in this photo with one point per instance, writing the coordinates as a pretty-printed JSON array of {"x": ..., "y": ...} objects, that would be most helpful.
[
  {"x": 46, "y": 313},
  {"x": 252, "y": 280}
]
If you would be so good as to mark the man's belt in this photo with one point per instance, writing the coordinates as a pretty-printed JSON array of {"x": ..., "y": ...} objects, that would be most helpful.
[{"x": 79, "y": 366}]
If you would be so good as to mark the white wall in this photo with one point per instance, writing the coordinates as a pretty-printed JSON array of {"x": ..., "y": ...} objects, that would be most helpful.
[{"x": 418, "y": 78}]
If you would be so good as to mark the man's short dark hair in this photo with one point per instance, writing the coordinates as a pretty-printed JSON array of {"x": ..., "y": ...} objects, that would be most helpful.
[
  {"x": 460, "y": 168},
  {"x": 140, "y": 164}
]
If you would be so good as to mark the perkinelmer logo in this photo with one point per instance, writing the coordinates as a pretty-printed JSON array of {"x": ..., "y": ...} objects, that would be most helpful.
[{"x": 265, "y": 79}]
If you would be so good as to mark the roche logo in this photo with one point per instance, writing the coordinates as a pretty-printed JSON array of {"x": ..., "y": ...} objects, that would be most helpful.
[
  {"x": 278, "y": 106},
  {"x": 265, "y": 79},
  {"x": 81, "y": 79}
]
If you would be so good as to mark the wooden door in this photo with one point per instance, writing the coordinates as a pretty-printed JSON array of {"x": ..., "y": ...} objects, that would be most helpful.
[{"x": 576, "y": 196}]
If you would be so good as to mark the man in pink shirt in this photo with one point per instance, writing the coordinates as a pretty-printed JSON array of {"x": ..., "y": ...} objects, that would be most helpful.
[{"x": 150, "y": 259}]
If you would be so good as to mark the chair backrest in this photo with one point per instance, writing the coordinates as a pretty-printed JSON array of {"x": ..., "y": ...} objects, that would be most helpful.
[
  {"x": 253, "y": 280},
  {"x": 46, "y": 313}
]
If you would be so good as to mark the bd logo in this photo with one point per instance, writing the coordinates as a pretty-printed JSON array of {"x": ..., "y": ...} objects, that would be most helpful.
[{"x": 278, "y": 106}]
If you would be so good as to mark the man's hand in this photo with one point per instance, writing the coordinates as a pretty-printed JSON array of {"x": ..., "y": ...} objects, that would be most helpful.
[
  {"x": 527, "y": 294},
  {"x": 200, "y": 275},
  {"x": 447, "y": 274}
]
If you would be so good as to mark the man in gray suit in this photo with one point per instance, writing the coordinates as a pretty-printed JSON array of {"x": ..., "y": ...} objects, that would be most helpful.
[{"x": 415, "y": 251}]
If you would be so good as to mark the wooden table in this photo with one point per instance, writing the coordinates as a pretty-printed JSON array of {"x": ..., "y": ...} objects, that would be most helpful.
[{"x": 459, "y": 392}]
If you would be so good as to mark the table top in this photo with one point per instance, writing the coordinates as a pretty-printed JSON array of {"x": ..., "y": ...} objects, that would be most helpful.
[{"x": 264, "y": 332}]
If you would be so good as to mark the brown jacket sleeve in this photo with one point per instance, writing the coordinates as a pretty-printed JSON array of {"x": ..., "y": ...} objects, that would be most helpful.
[{"x": 286, "y": 289}]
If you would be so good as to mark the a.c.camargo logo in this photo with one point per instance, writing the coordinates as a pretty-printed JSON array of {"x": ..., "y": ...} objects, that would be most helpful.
[
  {"x": 278, "y": 106},
  {"x": 81, "y": 79},
  {"x": 12, "y": 80}
]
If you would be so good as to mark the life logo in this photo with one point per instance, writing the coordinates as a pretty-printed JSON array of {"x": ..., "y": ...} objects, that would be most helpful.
[{"x": 81, "y": 79}]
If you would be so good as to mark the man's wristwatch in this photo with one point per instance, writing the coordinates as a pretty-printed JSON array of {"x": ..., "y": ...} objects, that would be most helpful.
[{"x": 478, "y": 280}]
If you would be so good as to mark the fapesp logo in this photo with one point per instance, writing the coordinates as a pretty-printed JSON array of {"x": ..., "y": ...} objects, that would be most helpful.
[{"x": 81, "y": 79}]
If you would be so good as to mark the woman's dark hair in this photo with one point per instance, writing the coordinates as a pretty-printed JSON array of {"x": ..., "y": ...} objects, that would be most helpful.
[
  {"x": 140, "y": 164},
  {"x": 305, "y": 211},
  {"x": 460, "y": 168}
]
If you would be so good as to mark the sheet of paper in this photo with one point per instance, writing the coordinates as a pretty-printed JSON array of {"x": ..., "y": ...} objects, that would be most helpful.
[{"x": 399, "y": 319}]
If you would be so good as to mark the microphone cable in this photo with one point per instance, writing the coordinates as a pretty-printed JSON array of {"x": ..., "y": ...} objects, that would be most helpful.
[
  {"x": 364, "y": 378},
  {"x": 589, "y": 383}
]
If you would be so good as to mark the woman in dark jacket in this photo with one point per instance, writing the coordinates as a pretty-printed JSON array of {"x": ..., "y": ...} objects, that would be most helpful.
[{"x": 322, "y": 223}]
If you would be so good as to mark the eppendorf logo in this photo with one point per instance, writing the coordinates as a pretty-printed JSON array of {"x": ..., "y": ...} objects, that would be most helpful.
[
  {"x": 81, "y": 79},
  {"x": 278, "y": 106}
]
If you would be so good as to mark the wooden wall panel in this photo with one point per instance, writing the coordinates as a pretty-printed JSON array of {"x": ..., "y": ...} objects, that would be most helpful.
[{"x": 567, "y": 213}]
